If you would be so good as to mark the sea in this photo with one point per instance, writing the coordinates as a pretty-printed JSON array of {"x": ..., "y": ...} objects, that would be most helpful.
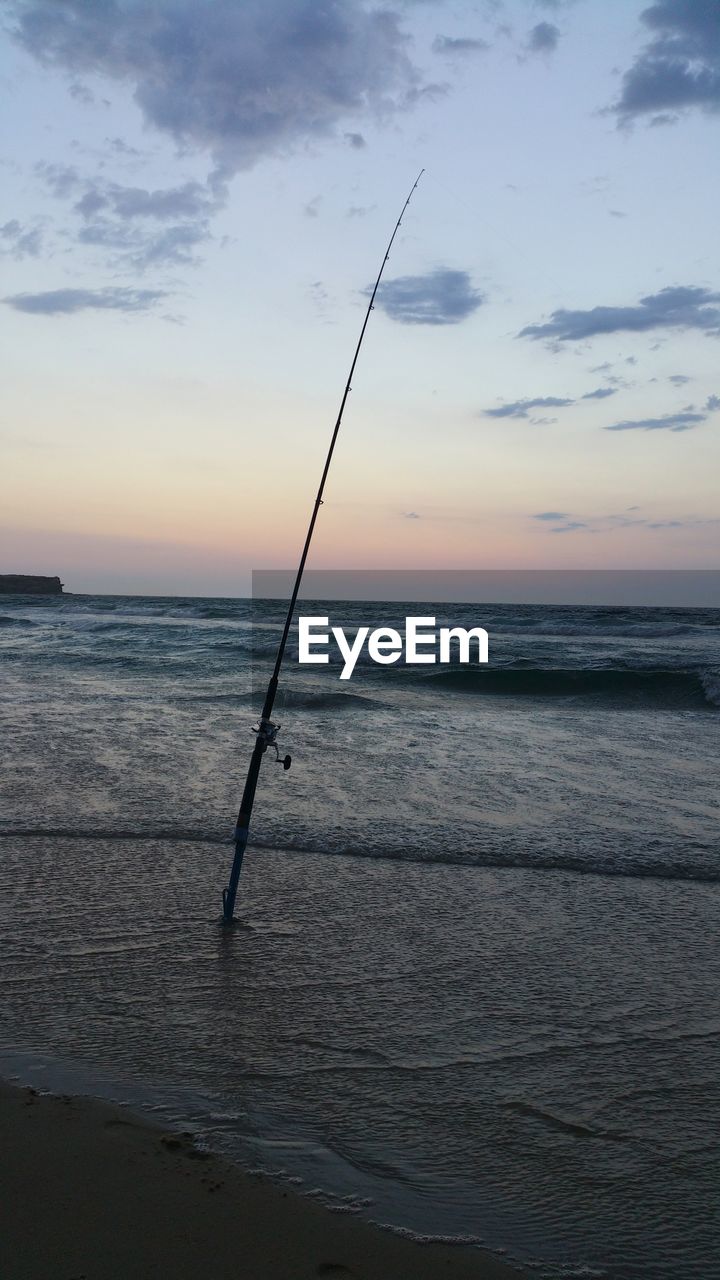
[{"x": 473, "y": 988}]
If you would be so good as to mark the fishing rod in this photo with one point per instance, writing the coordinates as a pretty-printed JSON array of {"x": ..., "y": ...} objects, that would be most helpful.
[{"x": 266, "y": 732}]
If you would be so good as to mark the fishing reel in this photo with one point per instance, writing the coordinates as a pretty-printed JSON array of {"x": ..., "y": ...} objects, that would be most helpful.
[{"x": 267, "y": 733}]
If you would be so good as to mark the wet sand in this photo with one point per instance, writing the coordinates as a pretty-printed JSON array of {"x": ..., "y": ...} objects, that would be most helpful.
[{"x": 92, "y": 1192}]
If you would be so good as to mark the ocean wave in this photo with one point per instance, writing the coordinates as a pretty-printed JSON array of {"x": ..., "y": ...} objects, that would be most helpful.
[
  {"x": 594, "y": 631},
  {"x": 285, "y": 699},
  {"x": 654, "y": 864},
  {"x": 217, "y": 612},
  {"x": 291, "y": 698},
  {"x": 6, "y": 621},
  {"x": 710, "y": 681},
  {"x": 669, "y": 688}
]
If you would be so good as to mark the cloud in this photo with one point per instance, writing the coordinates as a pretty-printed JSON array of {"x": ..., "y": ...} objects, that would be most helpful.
[
  {"x": 68, "y": 301},
  {"x": 683, "y": 421},
  {"x": 121, "y": 148},
  {"x": 20, "y": 242},
  {"x": 219, "y": 76},
  {"x": 81, "y": 93},
  {"x": 679, "y": 67},
  {"x": 190, "y": 200},
  {"x": 439, "y": 297},
  {"x": 679, "y": 307},
  {"x": 62, "y": 179},
  {"x": 519, "y": 408},
  {"x": 611, "y": 523},
  {"x": 452, "y": 45},
  {"x": 411, "y": 515},
  {"x": 124, "y": 219},
  {"x": 173, "y": 245},
  {"x": 543, "y": 38},
  {"x": 679, "y": 379},
  {"x": 355, "y": 140}
]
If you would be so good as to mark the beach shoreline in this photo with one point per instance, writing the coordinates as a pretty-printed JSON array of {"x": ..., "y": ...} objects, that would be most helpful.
[{"x": 93, "y": 1191}]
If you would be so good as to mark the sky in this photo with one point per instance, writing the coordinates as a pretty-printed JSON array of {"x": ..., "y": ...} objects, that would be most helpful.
[{"x": 197, "y": 195}]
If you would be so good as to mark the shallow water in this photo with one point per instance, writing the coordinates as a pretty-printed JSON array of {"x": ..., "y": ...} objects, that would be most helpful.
[{"x": 475, "y": 979}]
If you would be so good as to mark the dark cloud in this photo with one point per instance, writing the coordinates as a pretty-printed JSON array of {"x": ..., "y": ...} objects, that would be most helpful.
[
  {"x": 551, "y": 515},
  {"x": 439, "y": 297},
  {"x": 451, "y": 45},
  {"x": 602, "y": 393},
  {"x": 355, "y": 140},
  {"x": 543, "y": 38},
  {"x": 712, "y": 403},
  {"x": 679, "y": 379},
  {"x": 570, "y": 526},
  {"x": 222, "y": 77},
  {"x": 68, "y": 301},
  {"x": 519, "y": 408},
  {"x": 681, "y": 307},
  {"x": 679, "y": 67},
  {"x": 683, "y": 421}
]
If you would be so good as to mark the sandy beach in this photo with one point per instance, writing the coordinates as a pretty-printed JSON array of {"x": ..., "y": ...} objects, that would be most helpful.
[{"x": 92, "y": 1192}]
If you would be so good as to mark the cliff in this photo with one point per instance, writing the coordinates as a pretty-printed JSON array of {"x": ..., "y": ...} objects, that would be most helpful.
[{"x": 22, "y": 584}]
